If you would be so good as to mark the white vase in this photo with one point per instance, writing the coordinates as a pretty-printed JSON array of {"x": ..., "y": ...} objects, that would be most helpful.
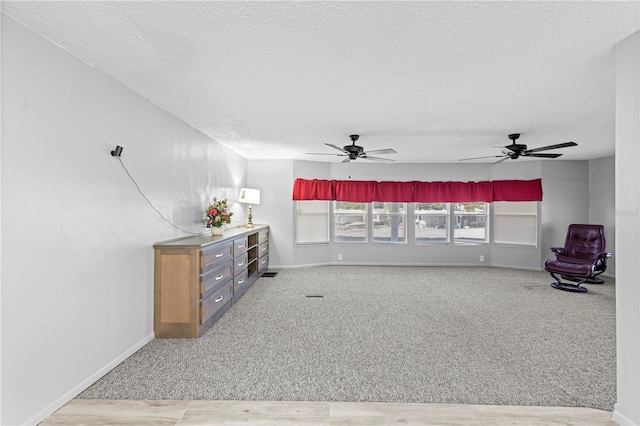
[{"x": 216, "y": 230}]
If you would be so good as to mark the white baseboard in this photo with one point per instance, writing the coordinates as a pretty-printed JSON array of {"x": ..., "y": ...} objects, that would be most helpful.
[
  {"x": 76, "y": 390},
  {"x": 479, "y": 265},
  {"x": 620, "y": 418},
  {"x": 341, "y": 263},
  {"x": 522, "y": 268}
]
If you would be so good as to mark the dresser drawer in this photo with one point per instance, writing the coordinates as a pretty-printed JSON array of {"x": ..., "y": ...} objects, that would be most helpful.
[
  {"x": 263, "y": 236},
  {"x": 240, "y": 263},
  {"x": 216, "y": 254},
  {"x": 212, "y": 304},
  {"x": 240, "y": 246},
  {"x": 263, "y": 264},
  {"x": 240, "y": 280},
  {"x": 263, "y": 249},
  {"x": 241, "y": 284},
  {"x": 214, "y": 278}
]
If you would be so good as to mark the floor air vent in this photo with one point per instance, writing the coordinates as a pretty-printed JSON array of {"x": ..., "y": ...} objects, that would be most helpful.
[{"x": 269, "y": 274}]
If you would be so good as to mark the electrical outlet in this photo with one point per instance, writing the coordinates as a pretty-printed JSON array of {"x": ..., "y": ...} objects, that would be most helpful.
[
  {"x": 481, "y": 258},
  {"x": 339, "y": 256}
]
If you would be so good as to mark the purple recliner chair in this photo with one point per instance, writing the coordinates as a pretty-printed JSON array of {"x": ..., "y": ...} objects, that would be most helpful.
[{"x": 581, "y": 260}]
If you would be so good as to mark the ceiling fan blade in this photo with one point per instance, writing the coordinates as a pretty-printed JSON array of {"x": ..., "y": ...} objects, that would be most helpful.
[
  {"x": 545, "y": 148},
  {"x": 478, "y": 158},
  {"x": 383, "y": 151},
  {"x": 542, "y": 155},
  {"x": 346, "y": 160},
  {"x": 324, "y": 153},
  {"x": 335, "y": 147},
  {"x": 501, "y": 160},
  {"x": 367, "y": 157}
]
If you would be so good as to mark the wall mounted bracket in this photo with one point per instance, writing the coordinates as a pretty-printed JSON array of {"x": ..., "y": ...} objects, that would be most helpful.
[{"x": 117, "y": 152}]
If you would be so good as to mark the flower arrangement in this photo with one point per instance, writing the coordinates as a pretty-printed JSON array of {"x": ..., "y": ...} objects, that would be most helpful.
[{"x": 218, "y": 214}]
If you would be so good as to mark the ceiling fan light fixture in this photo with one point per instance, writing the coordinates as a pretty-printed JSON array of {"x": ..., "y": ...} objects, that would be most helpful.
[
  {"x": 353, "y": 151},
  {"x": 514, "y": 150}
]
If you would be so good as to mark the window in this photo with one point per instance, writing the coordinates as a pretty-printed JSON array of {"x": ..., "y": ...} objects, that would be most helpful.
[
  {"x": 515, "y": 223},
  {"x": 350, "y": 222},
  {"x": 432, "y": 223},
  {"x": 389, "y": 220},
  {"x": 312, "y": 222},
  {"x": 470, "y": 223}
]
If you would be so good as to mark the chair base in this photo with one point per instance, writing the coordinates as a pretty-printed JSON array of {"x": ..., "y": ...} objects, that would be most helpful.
[
  {"x": 569, "y": 287},
  {"x": 593, "y": 280}
]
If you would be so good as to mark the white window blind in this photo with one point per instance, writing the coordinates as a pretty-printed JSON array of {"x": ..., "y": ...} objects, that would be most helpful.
[
  {"x": 515, "y": 223},
  {"x": 312, "y": 222}
]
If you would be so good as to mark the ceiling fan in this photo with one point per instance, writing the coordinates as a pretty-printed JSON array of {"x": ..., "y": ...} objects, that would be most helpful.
[
  {"x": 353, "y": 151},
  {"x": 516, "y": 150}
]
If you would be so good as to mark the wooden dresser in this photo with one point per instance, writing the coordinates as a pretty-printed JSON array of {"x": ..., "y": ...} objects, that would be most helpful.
[{"x": 196, "y": 279}]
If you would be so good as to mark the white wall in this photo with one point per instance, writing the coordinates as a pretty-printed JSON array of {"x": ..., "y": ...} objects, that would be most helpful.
[
  {"x": 273, "y": 179},
  {"x": 627, "y": 248},
  {"x": 565, "y": 187},
  {"x": 77, "y": 259},
  {"x": 602, "y": 202}
]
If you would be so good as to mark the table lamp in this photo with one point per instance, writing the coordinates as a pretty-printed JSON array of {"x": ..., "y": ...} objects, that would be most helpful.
[{"x": 249, "y": 196}]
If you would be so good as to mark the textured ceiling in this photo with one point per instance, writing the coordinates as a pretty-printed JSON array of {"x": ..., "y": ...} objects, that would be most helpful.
[{"x": 437, "y": 81}]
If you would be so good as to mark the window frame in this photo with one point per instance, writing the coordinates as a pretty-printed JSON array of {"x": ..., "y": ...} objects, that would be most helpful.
[
  {"x": 334, "y": 222},
  {"x": 487, "y": 229},
  {"x": 402, "y": 215},
  {"x": 446, "y": 215}
]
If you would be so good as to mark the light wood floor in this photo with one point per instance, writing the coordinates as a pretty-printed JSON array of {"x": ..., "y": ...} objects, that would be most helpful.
[{"x": 218, "y": 413}]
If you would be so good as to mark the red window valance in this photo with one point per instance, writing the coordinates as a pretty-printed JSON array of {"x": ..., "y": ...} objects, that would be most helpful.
[
  {"x": 424, "y": 192},
  {"x": 517, "y": 190},
  {"x": 314, "y": 189},
  {"x": 452, "y": 192},
  {"x": 358, "y": 191},
  {"x": 393, "y": 192}
]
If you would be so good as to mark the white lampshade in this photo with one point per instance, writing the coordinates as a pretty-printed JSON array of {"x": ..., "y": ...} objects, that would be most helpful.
[{"x": 249, "y": 196}]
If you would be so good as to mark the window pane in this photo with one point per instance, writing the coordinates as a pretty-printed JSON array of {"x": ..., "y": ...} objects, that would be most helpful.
[
  {"x": 470, "y": 223},
  {"x": 389, "y": 221},
  {"x": 312, "y": 222},
  {"x": 432, "y": 223},
  {"x": 350, "y": 222},
  {"x": 516, "y": 223}
]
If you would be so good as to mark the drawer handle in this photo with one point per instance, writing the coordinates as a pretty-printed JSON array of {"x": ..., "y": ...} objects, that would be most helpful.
[
  {"x": 218, "y": 299},
  {"x": 241, "y": 246},
  {"x": 240, "y": 282},
  {"x": 219, "y": 254},
  {"x": 219, "y": 277},
  {"x": 241, "y": 263},
  {"x": 264, "y": 261},
  {"x": 264, "y": 248}
]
